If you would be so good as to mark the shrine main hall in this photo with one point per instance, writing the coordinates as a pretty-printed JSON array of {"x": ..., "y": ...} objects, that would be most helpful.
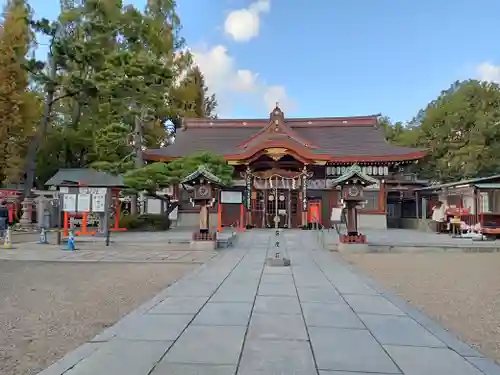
[{"x": 286, "y": 168}]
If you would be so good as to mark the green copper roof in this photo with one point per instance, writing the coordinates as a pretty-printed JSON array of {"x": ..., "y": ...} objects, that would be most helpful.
[
  {"x": 202, "y": 171},
  {"x": 352, "y": 172},
  {"x": 84, "y": 176}
]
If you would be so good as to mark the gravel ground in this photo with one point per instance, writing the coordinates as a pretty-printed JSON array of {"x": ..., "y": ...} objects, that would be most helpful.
[
  {"x": 48, "y": 309},
  {"x": 460, "y": 291}
]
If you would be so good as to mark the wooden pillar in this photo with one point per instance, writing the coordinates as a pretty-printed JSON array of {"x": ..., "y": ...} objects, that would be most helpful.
[
  {"x": 253, "y": 207},
  {"x": 11, "y": 207},
  {"x": 219, "y": 217},
  {"x": 116, "y": 226},
  {"x": 352, "y": 218},
  {"x": 175, "y": 192},
  {"x": 382, "y": 197},
  {"x": 85, "y": 218},
  {"x": 66, "y": 223},
  {"x": 242, "y": 217},
  {"x": 117, "y": 211},
  {"x": 219, "y": 213},
  {"x": 416, "y": 204}
]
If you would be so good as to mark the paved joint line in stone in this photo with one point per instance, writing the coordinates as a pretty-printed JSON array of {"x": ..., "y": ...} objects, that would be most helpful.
[
  {"x": 405, "y": 309},
  {"x": 409, "y": 314},
  {"x": 201, "y": 308},
  {"x": 304, "y": 320},
  {"x": 362, "y": 321},
  {"x": 251, "y": 311}
]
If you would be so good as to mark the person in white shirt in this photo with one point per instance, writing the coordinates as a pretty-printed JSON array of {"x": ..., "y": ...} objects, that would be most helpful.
[{"x": 438, "y": 216}]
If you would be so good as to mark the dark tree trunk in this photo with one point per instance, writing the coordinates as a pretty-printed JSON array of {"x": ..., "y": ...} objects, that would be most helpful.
[{"x": 40, "y": 132}]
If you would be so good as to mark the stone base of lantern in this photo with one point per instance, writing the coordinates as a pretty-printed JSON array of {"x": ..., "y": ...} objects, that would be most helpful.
[
  {"x": 352, "y": 243},
  {"x": 203, "y": 241},
  {"x": 353, "y": 238},
  {"x": 204, "y": 236}
]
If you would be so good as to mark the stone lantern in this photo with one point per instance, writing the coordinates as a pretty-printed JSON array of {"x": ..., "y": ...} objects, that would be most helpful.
[
  {"x": 203, "y": 185},
  {"x": 352, "y": 184}
]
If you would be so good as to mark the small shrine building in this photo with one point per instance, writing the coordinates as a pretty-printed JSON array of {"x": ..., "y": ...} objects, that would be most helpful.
[{"x": 285, "y": 167}]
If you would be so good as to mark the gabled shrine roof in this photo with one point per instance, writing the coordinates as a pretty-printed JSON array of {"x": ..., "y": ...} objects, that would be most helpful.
[
  {"x": 354, "y": 172},
  {"x": 86, "y": 177},
  {"x": 202, "y": 171},
  {"x": 336, "y": 139}
]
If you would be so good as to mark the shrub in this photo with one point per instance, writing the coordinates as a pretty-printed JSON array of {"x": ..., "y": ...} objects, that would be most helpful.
[{"x": 146, "y": 222}]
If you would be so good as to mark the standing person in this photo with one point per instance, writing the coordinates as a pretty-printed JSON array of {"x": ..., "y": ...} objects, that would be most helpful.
[{"x": 438, "y": 216}]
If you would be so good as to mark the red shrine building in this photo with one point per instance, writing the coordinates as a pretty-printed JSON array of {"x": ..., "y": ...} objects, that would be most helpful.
[{"x": 284, "y": 168}]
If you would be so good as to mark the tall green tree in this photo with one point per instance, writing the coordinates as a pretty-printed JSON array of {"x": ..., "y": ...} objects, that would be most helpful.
[
  {"x": 203, "y": 104},
  {"x": 19, "y": 107},
  {"x": 132, "y": 60},
  {"x": 461, "y": 129}
]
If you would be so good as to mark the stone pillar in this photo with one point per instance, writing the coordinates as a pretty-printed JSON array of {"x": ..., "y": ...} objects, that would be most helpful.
[{"x": 41, "y": 204}]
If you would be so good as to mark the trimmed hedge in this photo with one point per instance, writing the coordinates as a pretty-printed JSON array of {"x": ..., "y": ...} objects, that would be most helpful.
[{"x": 146, "y": 222}]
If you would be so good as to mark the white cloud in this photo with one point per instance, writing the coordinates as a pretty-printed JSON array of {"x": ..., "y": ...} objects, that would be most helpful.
[
  {"x": 488, "y": 72},
  {"x": 243, "y": 25},
  {"x": 277, "y": 94},
  {"x": 235, "y": 86},
  {"x": 232, "y": 84}
]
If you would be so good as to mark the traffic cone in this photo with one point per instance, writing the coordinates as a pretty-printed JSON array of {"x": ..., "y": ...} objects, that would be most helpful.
[
  {"x": 71, "y": 241},
  {"x": 43, "y": 237},
  {"x": 7, "y": 243}
]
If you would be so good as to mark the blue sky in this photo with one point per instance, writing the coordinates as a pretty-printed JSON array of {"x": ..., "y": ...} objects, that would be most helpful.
[{"x": 335, "y": 57}]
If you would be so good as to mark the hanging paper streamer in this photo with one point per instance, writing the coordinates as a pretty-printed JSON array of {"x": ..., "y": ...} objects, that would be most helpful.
[
  {"x": 304, "y": 193},
  {"x": 248, "y": 192}
]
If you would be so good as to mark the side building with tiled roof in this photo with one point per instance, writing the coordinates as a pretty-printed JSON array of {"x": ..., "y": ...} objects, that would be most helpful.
[{"x": 284, "y": 166}]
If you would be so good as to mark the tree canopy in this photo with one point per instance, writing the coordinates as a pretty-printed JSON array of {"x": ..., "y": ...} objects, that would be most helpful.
[
  {"x": 111, "y": 65},
  {"x": 460, "y": 130},
  {"x": 108, "y": 65},
  {"x": 19, "y": 105},
  {"x": 156, "y": 176}
]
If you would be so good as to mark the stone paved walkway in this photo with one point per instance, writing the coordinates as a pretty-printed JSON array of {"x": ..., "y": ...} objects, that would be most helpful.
[{"x": 237, "y": 316}]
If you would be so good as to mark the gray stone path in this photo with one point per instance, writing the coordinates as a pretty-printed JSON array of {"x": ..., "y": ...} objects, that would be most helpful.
[{"x": 237, "y": 316}]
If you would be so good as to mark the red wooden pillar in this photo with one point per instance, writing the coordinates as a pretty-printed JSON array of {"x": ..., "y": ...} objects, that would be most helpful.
[
  {"x": 382, "y": 197},
  {"x": 10, "y": 208},
  {"x": 66, "y": 223},
  {"x": 219, "y": 214},
  {"x": 116, "y": 226},
  {"x": 242, "y": 218}
]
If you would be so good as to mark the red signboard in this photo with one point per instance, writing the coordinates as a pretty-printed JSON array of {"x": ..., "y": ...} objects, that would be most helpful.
[{"x": 9, "y": 193}]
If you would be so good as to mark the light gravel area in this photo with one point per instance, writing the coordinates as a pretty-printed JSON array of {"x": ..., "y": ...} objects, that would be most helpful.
[
  {"x": 460, "y": 291},
  {"x": 48, "y": 309}
]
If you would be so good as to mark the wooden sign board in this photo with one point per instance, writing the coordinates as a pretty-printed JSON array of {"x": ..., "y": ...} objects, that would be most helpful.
[
  {"x": 83, "y": 202},
  {"x": 99, "y": 202},
  {"x": 69, "y": 202},
  {"x": 233, "y": 197}
]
